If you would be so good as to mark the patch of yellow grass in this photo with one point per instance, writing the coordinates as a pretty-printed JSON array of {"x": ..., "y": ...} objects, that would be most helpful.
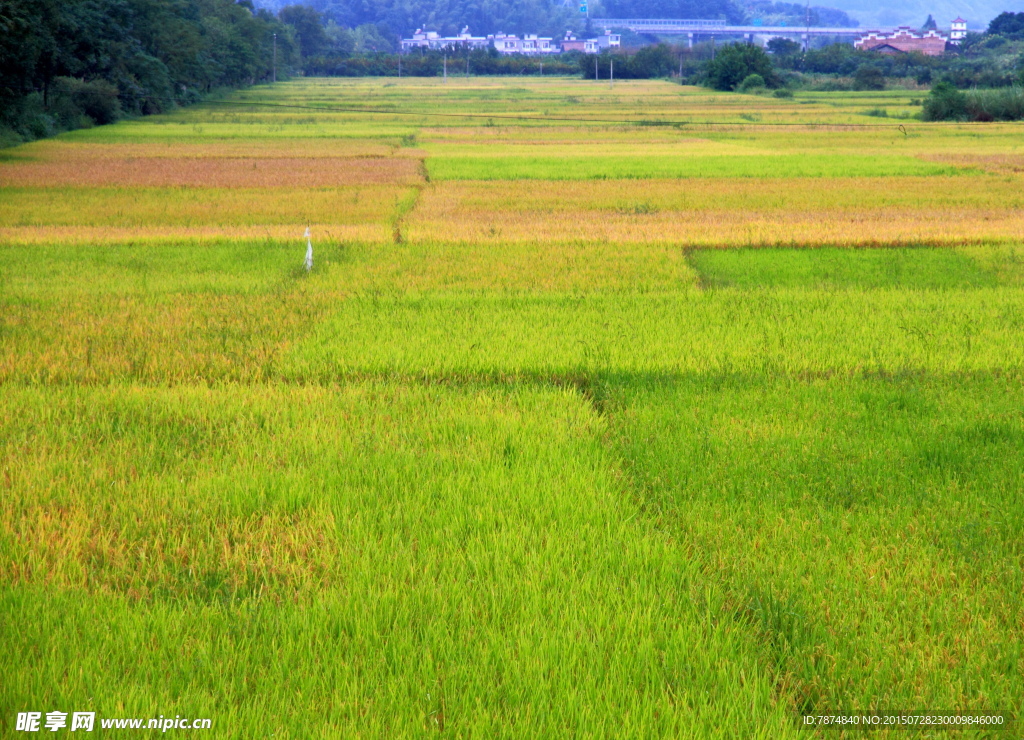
[
  {"x": 161, "y": 215},
  {"x": 198, "y": 235},
  {"x": 517, "y": 267},
  {"x": 1007, "y": 163},
  {"x": 811, "y": 212},
  {"x": 63, "y": 150},
  {"x": 215, "y": 172},
  {"x": 169, "y": 338}
]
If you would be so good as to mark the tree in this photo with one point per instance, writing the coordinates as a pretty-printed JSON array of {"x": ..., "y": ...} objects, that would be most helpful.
[
  {"x": 653, "y": 61},
  {"x": 370, "y": 39},
  {"x": 66, "y": 62},
  {"x": 945, "y": 103},
  {"x": 309, "y": 29},
  {"x": 930, "y": 24},
  {"x": 781, "y": 47},
  {"x": 1010, "y": 25},
  {"x": 868, "y": 77},
  {"x": 735, "y": 62}
]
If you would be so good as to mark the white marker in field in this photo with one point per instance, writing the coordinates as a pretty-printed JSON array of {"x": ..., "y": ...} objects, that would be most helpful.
[{"x": 309, "y": 252}]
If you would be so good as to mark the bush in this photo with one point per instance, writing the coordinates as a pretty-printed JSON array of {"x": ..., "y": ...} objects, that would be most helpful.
[
  {"x": 1006, "y": 104},
  {"x": 945, "y": 103},
  {"x": 868, "y": 77},
  {"x": 73, "y": 98},
  {"x": 752, "y": 83},
  {"x": 783, "y": 92}
]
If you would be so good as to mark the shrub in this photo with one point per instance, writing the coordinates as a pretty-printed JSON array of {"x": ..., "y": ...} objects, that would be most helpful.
[
  {"x": 1006, "y": 104},
  {"x": 783, "y": 92},
  {"x": 73, "y": 98},
  {"x": 945, "y": 103},
  {"x": 752, "y": 83},
  {"x": 868, "y": 77}
]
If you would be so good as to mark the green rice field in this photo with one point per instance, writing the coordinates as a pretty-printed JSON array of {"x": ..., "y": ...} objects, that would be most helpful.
[{"x": 636, "y": 412}]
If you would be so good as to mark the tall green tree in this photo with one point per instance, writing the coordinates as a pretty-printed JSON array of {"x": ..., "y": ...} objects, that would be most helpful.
[
  {"x": 64, "y": 62},
  {"x": 735, "y": 62}
]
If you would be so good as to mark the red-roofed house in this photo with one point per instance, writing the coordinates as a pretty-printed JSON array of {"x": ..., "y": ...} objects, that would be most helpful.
[{"x": 904, "y": 40}]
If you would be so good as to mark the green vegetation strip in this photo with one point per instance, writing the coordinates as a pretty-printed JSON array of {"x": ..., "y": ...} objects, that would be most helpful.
[
  {"x": 501, "y": 167},
  {"x": 840, "y": 268},
  {"x": 444, "y": 559}
]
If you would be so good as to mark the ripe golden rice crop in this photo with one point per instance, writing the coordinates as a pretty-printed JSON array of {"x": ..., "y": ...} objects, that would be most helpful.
[
  {"x": 71, "y": 150},
  {"x": 215, "y": 172},
  {"x": 198, "y": 235},
  {"x": 177, "y": 337},
  {"x": 153, "y": 215},
  {"x": 1012, "y": 164},
  {"x": 858, "y": 211}
]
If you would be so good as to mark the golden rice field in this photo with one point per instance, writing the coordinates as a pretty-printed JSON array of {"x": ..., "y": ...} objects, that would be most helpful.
[{"x": 605, "y": 411}]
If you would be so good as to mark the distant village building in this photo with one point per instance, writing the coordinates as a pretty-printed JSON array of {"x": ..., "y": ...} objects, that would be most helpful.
[
  {"x": 607, "y": 41},
  {"x": 903, "y": 40},
  {"x": 957, "y": 31},
  {"x": 432, "y": 40},
  {"x": 530, "y": 44},
  {"x": 571, "y": 43}
]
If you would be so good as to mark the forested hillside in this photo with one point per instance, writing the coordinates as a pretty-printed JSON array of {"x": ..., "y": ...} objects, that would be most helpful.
[{"x": 71, "y": 63}]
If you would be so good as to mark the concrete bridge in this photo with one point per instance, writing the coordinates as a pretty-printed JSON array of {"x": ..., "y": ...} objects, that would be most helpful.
[{"x": 691, "y": 28}]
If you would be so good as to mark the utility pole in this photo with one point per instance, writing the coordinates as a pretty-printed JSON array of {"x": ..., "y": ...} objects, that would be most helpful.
[
  {"x": 807, "y": 30},
  {"x": 275, "y": 57},
  {"x": 446, "y": 69},
  {"x": 399, "y": 65},
  {"x": 712, "y": 48},
  {"x": 611, "y": 73},
  {"x": 595, "y": 69},
  {"x": 542, "y": 69}
]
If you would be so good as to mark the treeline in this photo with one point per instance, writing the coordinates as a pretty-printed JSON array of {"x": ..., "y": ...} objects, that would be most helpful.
[
  {"x": 65, "y": 64},
  {"x": 434, "y": 63},
  {"x": 649, "y": 62},
  {"x": 982, "y": 80},
  {"x": 991, "y": 60},
  {"x": 794, "y": 14}
]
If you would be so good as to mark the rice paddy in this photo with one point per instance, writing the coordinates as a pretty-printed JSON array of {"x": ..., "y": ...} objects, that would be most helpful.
[{"x": 604, "y": 412}]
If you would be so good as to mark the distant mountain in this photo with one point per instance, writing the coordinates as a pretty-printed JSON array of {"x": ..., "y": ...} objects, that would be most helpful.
[
  {"x": 977, "y": 13},
  {"x": 768, "y": 13}
]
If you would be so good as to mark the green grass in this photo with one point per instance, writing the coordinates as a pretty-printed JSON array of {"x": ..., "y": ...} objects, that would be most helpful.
[
  {"x": 840, "y": 268},
  {"x": 503, "y": 167}
]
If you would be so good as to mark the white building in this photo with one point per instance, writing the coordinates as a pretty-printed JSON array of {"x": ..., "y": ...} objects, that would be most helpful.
[
  {"x": 432, "y": 40},
  {"x": 607, "y": 41},
  {"x": 531, "y": 43},
  {"x": 957, "y": 30},
  {"x": 505, "y": 43}
]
